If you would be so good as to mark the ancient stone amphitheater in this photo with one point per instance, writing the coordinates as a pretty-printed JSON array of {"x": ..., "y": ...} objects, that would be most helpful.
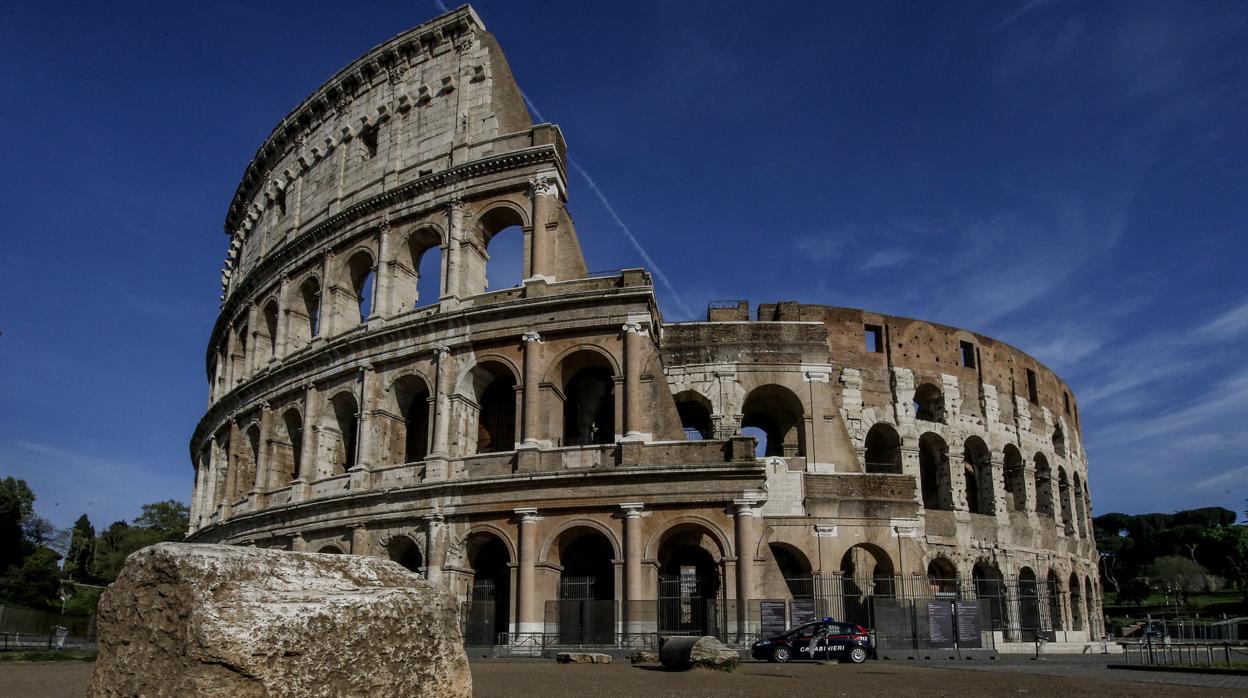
[{"x": 577, "y": 469}]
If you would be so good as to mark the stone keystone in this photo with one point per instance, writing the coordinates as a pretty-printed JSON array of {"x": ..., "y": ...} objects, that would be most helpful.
[{"x": 215, "y": 620}]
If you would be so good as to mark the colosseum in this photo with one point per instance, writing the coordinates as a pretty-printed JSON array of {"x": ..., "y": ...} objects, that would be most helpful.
[{"x": 576, "y": 469}]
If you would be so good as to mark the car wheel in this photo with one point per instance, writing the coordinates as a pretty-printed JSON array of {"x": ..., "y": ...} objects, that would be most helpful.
[
  {"x": 781, "y": 654},
  {"x": 857, "y": 655}
]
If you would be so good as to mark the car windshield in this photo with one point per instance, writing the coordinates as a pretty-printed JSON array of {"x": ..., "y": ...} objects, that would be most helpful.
[{"x": 802, "y": 630}]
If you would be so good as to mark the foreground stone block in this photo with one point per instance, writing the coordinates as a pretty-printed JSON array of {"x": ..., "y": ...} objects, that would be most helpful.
[
  {"x": 583, "y": 658},
  {"x": 215, "y": 620},
  {"x": 682, "y": 653},
  {"x": 644, "y": 657}
]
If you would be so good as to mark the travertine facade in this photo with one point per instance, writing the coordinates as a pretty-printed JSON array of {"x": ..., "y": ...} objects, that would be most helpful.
[{"x": 558, "y": 440}]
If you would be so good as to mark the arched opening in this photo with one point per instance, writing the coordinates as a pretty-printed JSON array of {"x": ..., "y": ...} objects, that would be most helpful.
[
  {"x": 934, "y": 473},
  {"x": 424, "y": 257},
  {"x": 310, "y": 307},
  {"x": 585, "y": 610},
  {"x": 1053, "y": 590},
  {"x": 502, "y": 249},
  {"x": 270, "y": 326},
  {"x": 689, "y": 582},
  {"x": 883, "y": 450},
  {"x": 1059, "y": 441},
  {"x": 929, "y": 403},
  {"x": 778, "y": 413},
  {"x": 1028, "y": 604},
  {"x": 290, "y": 460},
  {"x": 977, "y": 474},
  {"x": 331, "y": 550},
  {"x": 404, "y": 551},
  {"x": 1076, "y": 603},
  {"x": 795, "y": 569},
  {"x": 1089, "y": 599},
  {"x": 362, "y": 275},
  {"x": 489, "y": 594},
  {"x": 240, "y": 355},
  {"x": 1063, "y": 496},
  {"x": 990, "y": 590},
  {"x": 1015, "y": 479},
  {"x": 245, "y": 478},
  {"x": 695, "y": 415},
  {"x": 412, "y": 398},
  {"x": 494, "y": 388},
  {"x": 589, "y": 399},
  {"x": 222, "y": 464},
  {"x": 942, "y": 577},
  {"x": 1044, "y": 486},
  {"x": 1081, "y": 511},
  {"x": 346, "y": 423},
  {"x": 866, "y": 574}
]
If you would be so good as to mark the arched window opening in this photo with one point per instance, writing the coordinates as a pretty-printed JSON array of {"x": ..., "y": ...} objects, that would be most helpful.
[
  {"x": 1059, "y": 441},
  {"x": 689, "y": 583},
  {"x": 1015, "y": 479},
  {"x": 346, "y": 421},
  {"x": 795, "y": 569},
  {"x": 1081, "y": 511},
  {"x": 424, "y": 255},
  {"x": 695, "y": 415},
  {"x": 413, "y": 403},
  {"x": 501, "y": 263},
  {"x": 330, "y": 550},
  {"x": 1089, "y": 600},
  {"x": 363, "y": 277},
  {"x": 1028, "y": 604},
  {"x": 977, "y": 474},
  {"x": 942, "y": 578},
  {"x": 866, "y": 574},
  {"x": 934, "y": 481},
  {"x": 586, "y": 594},
  {"x": 270, "y": 326},
  {"x": 1063, "y": 497},
  {"x": 589, "y": 407},
  {"x": 883, "y": 450},
  {"x": 929, "y": 403},
  {"x": 990, "y": 590},
  {"x": 404, "y": 551},
  {"x": 310, "y": 295},
  {"x": 245, "y": 480},
  {"x": 779, "y": 414},
  {"x": 1053, "y": 590},
  {"x": 1076, "y": 603},
  {"x": 1044, "y": 486},
  {"x": 290, "y": 454},
  {"x": 494, "y": 388},
  {"x": 489, "y": 604},
  {"x": 223, "y": 460},
  {"x": 240, "y": 355}
]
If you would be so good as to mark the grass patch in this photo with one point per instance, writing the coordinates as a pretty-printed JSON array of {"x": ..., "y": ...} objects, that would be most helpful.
[{"x": 48, "y": 656}]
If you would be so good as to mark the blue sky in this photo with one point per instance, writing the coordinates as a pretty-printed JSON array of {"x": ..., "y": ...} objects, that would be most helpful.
[{"x": 1071, "y": 177}]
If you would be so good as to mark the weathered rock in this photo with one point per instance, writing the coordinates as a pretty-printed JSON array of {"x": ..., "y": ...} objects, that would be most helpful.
[
  {"x": 644, "y": 657},
  {"x": 215, "y": 620},
  {"x": 582, "y": 658},
  {"x": 681, "y": 653}
]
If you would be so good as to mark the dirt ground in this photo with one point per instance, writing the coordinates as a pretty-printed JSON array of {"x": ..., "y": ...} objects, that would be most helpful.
[{"x": 499, "y": 679}]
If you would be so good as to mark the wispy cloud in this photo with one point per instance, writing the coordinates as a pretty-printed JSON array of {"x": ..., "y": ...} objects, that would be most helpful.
[{"x": 1016, "y": 14}]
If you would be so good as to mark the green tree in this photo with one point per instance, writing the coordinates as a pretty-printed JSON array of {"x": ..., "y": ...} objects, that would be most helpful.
[
  {"x": 81, "y": 550},
  {"x": 1226, "y": 550},
  {"x": 1178, "y": 575},
  {"x": 1135, "y": 590},
  {"x": 115, "y": 544},
  {"x": 17, "y": 505},
  {"x": 169, "y": 519}
]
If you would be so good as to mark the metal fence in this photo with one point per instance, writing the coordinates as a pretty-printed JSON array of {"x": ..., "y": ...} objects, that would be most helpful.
[{"x": 1193, "y": 654}]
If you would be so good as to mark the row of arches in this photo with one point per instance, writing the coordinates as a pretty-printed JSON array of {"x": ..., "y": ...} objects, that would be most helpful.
[
  {"x": 929, "y": 406},
  {"x": 772, "y": 414}
]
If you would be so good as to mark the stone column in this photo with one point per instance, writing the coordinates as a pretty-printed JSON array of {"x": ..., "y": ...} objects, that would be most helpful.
[
  {"x": 436, "y": 467},
  {"x": 381, "y": 285},
  {"x": 326, "y": 325},
  {"x": 529, "y": 616},
  {"x": 197, "y": 498},
  {"x": 230, "y": 334},
  {"x": 283, "y": 319},
  {"x": 532, "y": 391},
  {"x": 454, "y": 227},
  {"x": 300, "y": 488},
  {"x": 543, "y": 188},
  {"x": 264, "y": 458},
  {"x": 253, "y": 329},
  {"x": 359, "y": 540},
  {"x": 632, "y": 568},
  {"x": 297, "y": 543},
  {"x": 632, "y": 381},
  {"x": 360, "y": 478},
  {"x": 433, "y": 547},
  {"x": 747, "y": 518}
]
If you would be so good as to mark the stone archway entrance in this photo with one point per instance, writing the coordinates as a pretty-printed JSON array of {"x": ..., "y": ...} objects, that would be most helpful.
[
  {"x": 585, "y": 608},
  {"x": 689, "y": 586},
  {"x": 488, "y": 612}
]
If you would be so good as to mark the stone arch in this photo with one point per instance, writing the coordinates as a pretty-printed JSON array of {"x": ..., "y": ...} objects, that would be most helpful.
[
  {"x": 307, "y": 311},
  {"x": 691, "y": 580},
  {"x": 694, "y": 410},
  {"x": 550, "y": 545},
  {"x": 934, "y": 483},
  {"x": 1059, "y": 441},
  {"x": 1089, "y": 600},
  {"x": 1044, "y": 485},
  {"x": 501, "y": 263},
  {"x": 691, "y": 522},
  {"x": 586, "y": 552},
  {"x": 488, "y": 553},
  {"x": 410, "y": 395},
  {"x": 778, "y": 413},
  {"x": 990, "y": 588},
  {"x": 331, "y": 549},
  {"x": 421, "y": 253},
  {"x": 942, "y": 576},
  {"x": 1076, "y": 602},
  {"x": 1015, "y": 475},
  {"x": 269, "y": 316},
  {"x": 288, "y": 451},
  {"x": 1063, "y": 498},
  {"x": 795, "y": 568},
  {"x": 406, "y": 551},
  {"x": 977, "y": 476},
  {"x": 359, "y": 274},
  {"x": 344, "y": 413},
  {"x": 1053, "y": 590},
  {"x": 491, "y": 385},
  {"x": 1081, "y": 511},
  {"x": 1028, "y": 603},
  {"x": 929, "y": 403},
  {"x": 586, "y": 380},
  {"x": 882, "y": 449},
  {"x": 866, "y": 570},
  {"x": 248, "y": 461}
]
